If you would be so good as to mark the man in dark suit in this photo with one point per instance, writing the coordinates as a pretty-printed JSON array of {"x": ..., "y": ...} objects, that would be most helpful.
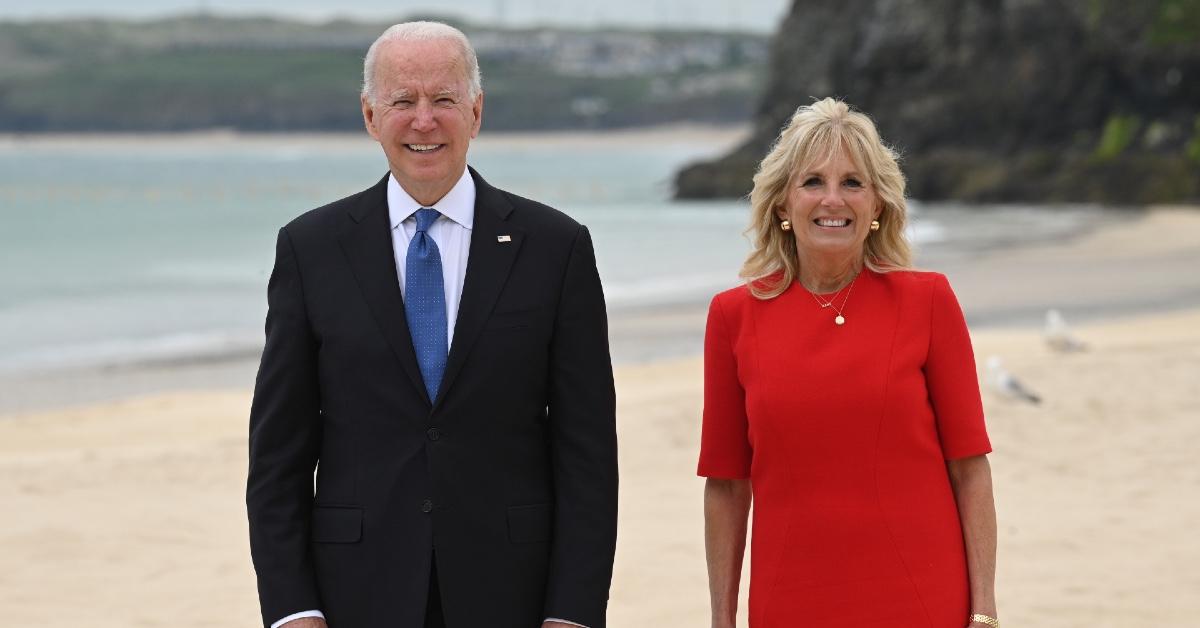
[{"x": 437, "y": 354}]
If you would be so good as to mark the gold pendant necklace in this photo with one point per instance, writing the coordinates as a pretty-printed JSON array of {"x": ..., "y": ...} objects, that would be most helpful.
[{"x": 840, "y": 319}]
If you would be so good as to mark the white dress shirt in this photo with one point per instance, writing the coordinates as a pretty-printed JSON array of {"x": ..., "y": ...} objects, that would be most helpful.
[{"x": 452, "y": 234}]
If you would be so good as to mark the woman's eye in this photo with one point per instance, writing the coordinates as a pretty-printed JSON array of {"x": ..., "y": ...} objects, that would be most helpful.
[
  {"x": 854, "y": 183},
  {"x": 811, "y": 181}
]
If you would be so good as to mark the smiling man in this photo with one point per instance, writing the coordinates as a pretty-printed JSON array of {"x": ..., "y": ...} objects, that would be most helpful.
[{"x": 432, "y": 437}]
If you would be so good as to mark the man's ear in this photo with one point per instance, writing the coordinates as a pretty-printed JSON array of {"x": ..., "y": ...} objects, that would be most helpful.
[
  {"x": 477, "y": 112},
  {"x": 368, "y": 112}
]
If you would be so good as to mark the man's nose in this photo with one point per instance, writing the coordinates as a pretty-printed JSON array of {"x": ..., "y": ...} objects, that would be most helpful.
[{"x": 423, "y": 118}]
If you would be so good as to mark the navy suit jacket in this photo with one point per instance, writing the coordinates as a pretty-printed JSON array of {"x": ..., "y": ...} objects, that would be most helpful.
[{"x": 510, "y": 473}]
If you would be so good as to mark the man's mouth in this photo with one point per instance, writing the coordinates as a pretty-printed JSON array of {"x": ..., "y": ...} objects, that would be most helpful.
[
  {"x": 423, "y": 148},
  {"x": 832, "y": 222}
]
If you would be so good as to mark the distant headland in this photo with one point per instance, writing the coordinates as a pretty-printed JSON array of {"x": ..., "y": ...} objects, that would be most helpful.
[{"x": 996, "y": 100}]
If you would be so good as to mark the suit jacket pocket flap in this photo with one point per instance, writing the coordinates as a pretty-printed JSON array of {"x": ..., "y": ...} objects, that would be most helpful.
[
  {"x": 530, "y": 524},
  {"x": 336, "y": 524}
]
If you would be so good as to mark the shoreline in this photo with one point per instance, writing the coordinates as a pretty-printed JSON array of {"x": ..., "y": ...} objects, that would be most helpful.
[
  {"x": 78, "y": 388},
  {"x": 1116, "y": 271}
]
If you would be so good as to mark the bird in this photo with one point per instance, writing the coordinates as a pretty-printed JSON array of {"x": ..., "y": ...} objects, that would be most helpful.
[
  {"x": 1059, "y": 336},
  {"x": 1004, "y": 384}
]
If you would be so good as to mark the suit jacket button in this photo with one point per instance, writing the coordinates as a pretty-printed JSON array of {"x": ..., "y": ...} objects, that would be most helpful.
[
  {"x": 434, "y": 433},
  {"x": 427, "y": 506}
]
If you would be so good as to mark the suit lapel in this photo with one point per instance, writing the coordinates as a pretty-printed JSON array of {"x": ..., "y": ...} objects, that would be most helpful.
[
  {"x": 367, "y": 244},
  {"x": 494, "y": 246}
]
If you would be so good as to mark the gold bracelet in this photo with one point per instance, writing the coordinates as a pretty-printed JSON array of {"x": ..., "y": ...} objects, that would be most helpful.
[{"x": 985, "y": 619}]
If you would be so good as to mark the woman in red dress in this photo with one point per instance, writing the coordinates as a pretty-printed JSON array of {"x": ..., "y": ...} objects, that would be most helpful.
[{"x": 840, "y": 395}]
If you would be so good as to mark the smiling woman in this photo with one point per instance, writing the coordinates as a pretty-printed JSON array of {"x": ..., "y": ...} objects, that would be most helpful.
[
  {"x": 855, "y": 426},
  {"x": 829, "y": 209},
  {"x": 828, "y": 163}
]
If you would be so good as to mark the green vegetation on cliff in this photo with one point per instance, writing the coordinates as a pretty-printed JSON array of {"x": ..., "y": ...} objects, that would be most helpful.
[
  {"x": 258, "y": 74},
  {"x": 996, "y": 100}
]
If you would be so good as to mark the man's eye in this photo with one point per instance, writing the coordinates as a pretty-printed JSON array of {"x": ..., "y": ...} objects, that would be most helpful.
[{"x": 401, "y": 103}]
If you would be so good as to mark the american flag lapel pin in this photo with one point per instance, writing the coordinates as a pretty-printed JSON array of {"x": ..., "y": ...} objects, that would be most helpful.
[{"x": 504, "y": 238}]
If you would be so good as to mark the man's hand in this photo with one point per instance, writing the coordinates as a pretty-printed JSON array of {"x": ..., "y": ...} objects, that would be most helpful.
[{"x": 306, "y": 622}]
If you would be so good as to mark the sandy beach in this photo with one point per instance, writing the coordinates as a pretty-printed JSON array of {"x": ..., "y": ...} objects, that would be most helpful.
[{"x": 129, "y": 511}]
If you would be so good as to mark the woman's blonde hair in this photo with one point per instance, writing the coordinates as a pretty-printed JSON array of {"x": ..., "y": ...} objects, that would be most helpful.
[{"x": 817, "y": 134}]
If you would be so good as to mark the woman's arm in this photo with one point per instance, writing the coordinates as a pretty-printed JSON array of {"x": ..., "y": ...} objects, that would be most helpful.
[
  {"x": 971, "y": 479},
  {"x": 726, "y": 511}
]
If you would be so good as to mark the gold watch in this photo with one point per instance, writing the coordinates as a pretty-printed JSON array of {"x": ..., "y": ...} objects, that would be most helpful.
[{"x": 985, "y": 619}]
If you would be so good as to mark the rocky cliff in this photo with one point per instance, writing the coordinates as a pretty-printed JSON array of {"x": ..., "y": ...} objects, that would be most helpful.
[{"x": 996, "y": 100}]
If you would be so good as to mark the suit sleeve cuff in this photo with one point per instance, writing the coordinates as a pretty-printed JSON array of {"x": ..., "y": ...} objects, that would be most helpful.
[
  {"x": 561, "y": 621},
  {"x": 298, "y": 616}
]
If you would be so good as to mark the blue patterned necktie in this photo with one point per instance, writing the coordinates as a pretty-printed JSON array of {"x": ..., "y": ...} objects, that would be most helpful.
[{"x": 425, "y": 302}]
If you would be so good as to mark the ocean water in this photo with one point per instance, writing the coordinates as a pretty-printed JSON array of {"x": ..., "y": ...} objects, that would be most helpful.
[{"x": 131, "y": 249}]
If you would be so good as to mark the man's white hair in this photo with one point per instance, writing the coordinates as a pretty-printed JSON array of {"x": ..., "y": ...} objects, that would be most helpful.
[{"x": 422, "y": 31}]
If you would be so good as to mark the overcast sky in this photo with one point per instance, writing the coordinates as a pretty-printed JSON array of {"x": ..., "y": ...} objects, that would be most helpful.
[{"x": 757, "y": 15}]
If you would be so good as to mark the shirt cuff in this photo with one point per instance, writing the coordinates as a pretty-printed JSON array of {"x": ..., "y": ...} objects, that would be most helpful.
[
  {"x": 563, "y": 621},
  {"x": 298, "y": 616}
]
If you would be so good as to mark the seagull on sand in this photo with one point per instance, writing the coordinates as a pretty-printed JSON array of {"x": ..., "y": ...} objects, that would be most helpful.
[
  {"x": 1005, "y": 385},
  {"x": 1059, "y": 336}
]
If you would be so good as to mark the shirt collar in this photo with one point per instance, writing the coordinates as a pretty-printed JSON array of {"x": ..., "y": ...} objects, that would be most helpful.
[{"x": 458, "y": 204}]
